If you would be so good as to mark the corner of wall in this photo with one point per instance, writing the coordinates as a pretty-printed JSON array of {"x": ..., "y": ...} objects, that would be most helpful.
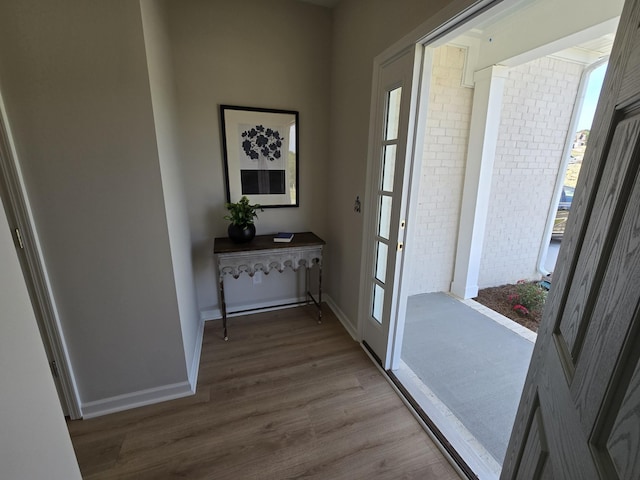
[
  {"x": 348, "y": 325},
  {"x": 195, "y": 364}
]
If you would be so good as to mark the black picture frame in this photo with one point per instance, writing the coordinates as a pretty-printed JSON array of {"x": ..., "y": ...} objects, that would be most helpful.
[{"x": 260, "y": 147}]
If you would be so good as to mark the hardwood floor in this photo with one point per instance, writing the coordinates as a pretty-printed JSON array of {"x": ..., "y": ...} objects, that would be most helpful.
[{"x": 284, "y": 398}]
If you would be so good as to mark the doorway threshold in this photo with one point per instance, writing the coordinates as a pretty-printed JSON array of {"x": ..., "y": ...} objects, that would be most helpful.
[
  {"x": 469, "y": 448},
  {"x": 464, "y": 366}
]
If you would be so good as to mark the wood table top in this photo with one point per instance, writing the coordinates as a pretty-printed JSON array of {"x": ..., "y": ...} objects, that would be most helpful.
[{"x": 265, "y": 242}]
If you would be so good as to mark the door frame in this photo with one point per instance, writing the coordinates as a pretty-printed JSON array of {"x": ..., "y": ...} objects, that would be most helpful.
[
  {"x": 373, "y": 169},
  {"x": 564, "y": 162},
  {"x": 449, "y": 19},
  {"x": 19, "y": 215}
]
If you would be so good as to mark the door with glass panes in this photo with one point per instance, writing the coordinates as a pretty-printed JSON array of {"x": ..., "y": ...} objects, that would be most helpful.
[{"x": 385, "y": 226}]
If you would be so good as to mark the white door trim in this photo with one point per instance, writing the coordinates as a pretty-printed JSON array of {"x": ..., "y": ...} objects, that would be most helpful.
[
  {"x": 420, "y": 96},
  {"x": 564, "y": 162},
  {"x": 36, "y": 277}
]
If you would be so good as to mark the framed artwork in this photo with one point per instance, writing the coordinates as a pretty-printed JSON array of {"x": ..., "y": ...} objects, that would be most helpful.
[{"x": 260, "y": 155}]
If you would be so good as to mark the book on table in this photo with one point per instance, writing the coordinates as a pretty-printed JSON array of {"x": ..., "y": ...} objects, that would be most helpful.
[{"x": 283, "y": 237}]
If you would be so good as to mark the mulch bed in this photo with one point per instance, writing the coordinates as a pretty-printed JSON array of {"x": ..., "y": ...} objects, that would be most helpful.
[{"x": 497, "y": 299}]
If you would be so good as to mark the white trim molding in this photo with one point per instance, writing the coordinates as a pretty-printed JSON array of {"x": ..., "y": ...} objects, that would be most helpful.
[
  {"x": 214, "y": 313},
  {"x": 136, "y": 399},
  {"x": 245, "y": 309},
  {"x": 195, "y": 364},
  {"x": 19, "y": 214},
  {"x": 344, "y": 320},
  {"x": 210, "y": 314}
]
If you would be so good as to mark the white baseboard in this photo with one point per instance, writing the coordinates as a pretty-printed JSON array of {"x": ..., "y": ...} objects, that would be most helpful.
[
  {"x": 344, "y": 320},
  {"x": 150, "y": 395},
  {"x": 216, "y": 314},
  {"x": 195, "y": 364},
  {"x": 136, "y": 399},
  {"x": 211, "y": 314}
]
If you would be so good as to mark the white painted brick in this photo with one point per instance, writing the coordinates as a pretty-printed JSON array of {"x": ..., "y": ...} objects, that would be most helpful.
[
  {"x": 441, "y": 186},
  {"x": 536, "y": 113},
  {"x": 527, "y": 172}
]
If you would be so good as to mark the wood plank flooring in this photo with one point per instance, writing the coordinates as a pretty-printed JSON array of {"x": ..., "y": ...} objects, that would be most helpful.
[{"x": 284, "y": 398}]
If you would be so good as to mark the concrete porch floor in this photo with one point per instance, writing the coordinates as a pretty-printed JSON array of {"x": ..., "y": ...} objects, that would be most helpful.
[{"x": 466, "y": 366}]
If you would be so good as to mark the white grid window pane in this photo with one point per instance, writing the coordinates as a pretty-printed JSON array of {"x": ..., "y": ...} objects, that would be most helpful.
[
  {"x": 381, "y": 261},
  {"x": 378, "y": 303},
  {"x": 384, "y": 222},
  {"x": 393, "y": 113},
  {"x": 389, "y": 167}
]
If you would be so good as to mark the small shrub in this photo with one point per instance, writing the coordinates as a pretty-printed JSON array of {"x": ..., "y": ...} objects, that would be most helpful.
[{"x": 529, "y": 297}]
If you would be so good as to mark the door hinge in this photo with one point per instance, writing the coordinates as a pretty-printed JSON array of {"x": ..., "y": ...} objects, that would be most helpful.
[
  {"x": 54, "y": 369},
  {"x": 19, "y": 238},
  {"x": 400, "y": 246}
]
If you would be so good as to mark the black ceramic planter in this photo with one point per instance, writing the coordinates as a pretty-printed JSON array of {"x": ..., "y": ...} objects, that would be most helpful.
[{"x": 241, "y": 235}]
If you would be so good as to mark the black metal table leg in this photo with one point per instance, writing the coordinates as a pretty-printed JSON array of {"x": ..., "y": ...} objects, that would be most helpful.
[
  {"x": 320, "y": 292},
  {"x": 223, "y": 308}
]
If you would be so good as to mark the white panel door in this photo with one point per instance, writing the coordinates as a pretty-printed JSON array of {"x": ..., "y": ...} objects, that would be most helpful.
[{"x": 385, "y": 226}]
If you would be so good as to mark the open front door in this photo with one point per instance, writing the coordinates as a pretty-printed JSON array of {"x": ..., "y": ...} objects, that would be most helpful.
[
  {"x": 391, "y": 127},
  {"x": 579, "y": 417}
]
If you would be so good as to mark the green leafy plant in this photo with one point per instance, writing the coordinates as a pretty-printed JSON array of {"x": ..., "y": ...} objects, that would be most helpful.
[
  {"x": 242, "y": 213},
  {"x": 529, "y": 297}
]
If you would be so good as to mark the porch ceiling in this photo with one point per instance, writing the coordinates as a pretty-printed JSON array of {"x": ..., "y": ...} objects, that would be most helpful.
[{"x": 578, "y": 30}]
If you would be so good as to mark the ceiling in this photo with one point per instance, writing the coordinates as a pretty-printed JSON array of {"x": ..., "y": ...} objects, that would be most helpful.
[
  {"x": 590, "y": 51},
  {"x": 586, "y": 52}
]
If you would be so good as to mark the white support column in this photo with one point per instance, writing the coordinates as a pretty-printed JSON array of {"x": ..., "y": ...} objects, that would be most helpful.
[{"x": 483, "y": 136}]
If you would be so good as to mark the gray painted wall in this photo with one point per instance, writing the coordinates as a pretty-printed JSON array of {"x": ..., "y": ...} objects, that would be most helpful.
[
  {"x": 105, "y": 128},
  {"x": 254, "y": 53},
  {"x": 75, "y": 83},
  {"x": 161, "y": 77}
]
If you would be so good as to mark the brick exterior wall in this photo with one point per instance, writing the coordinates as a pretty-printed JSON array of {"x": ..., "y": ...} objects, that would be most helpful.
[
  {"x": 442, "y": 175},
  {"x": 538, "y": 101}
]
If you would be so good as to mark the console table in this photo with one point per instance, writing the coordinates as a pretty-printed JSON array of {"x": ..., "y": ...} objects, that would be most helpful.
[{"x": 262, "y": 254}]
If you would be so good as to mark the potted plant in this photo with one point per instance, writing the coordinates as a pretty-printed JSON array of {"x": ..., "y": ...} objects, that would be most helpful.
[{"x": 241, "y": 216}]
